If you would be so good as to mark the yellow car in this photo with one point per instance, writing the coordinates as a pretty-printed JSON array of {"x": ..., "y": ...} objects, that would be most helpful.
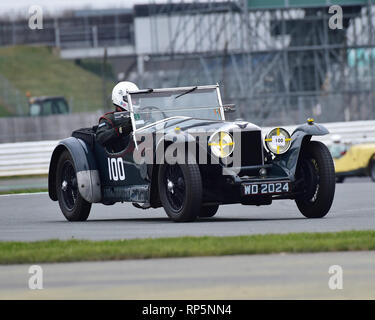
[{"x": 354, "y": 161}]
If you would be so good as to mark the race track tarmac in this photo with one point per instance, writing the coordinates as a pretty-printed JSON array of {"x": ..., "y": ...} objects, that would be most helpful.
[
  {"x": 281, "y": 276},
  {"x": 35, "y": 217}
]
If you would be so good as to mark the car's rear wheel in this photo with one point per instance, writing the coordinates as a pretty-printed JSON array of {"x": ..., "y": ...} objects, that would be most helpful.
[
  {"x": 208, "y": 211},
  {"x": 71, "y": 203},
  {"x": 316, "y": 169},
  {"x": 180, "y": 189}
]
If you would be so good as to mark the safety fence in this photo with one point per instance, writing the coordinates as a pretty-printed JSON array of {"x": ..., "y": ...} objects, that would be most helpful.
[
  {"x": 54, "y": 127},
  {"x": 25, "y": 158},
  {"x": 14, "y": 101},
  {"x": 85, "y": 29},
  {"x": 32, "y": 158}
]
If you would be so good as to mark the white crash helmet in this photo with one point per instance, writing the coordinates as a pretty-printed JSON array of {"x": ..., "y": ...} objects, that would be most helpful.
[
  {"x": 119, "y": 93},
  {"x": 336, "y": 138}
]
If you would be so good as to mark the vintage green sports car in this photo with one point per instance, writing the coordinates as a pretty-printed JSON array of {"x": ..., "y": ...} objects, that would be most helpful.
[{"x": 184, "y": 156}]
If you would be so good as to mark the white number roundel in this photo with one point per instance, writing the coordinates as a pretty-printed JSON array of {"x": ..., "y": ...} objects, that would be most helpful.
[{"x": 116, "y": 169}]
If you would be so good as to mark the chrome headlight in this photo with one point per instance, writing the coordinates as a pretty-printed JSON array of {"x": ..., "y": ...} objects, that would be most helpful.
[
  {"x": 221, "y": 144},
  {"x": 278, "y": 141}
]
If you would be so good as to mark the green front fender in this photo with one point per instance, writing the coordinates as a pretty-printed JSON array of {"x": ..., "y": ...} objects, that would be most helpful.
[{"x": 301, "y": 135}]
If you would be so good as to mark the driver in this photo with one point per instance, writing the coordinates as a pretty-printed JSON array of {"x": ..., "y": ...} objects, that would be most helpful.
[{"x": 112, "y": 127}]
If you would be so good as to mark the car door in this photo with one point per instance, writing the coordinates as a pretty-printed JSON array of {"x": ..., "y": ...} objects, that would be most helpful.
[{"x": 119, "y": 168}]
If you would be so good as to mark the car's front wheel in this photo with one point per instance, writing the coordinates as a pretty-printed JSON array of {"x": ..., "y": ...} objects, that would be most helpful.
[
  {"x": 180, "y": 190},
  {"x": 316, "y": 169},
  {"x": 71, "y": 203}
]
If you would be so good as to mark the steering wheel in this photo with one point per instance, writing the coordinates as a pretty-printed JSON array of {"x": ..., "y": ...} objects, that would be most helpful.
[{"x": 149, "y": 108}]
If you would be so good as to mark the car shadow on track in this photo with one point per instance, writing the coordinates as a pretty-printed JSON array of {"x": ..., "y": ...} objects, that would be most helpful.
[{"x": 199, "y": 220}]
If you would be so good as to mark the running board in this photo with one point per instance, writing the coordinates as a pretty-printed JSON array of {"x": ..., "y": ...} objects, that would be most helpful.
[{"x": 139, "y": 193}]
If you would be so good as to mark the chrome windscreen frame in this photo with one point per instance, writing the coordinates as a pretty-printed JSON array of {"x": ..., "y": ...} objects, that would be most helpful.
[
  {"x": 132, "y": 118},
  {"x": 178, "y": 89}
]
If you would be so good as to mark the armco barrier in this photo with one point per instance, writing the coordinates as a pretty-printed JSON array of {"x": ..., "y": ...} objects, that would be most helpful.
[
  {"x": 25, "y": 158},
  {"x": 32, "y": 158}
]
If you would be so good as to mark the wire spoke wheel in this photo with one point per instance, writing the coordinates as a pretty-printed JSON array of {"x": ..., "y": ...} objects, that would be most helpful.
[
  {"x": 317, "y": 172},
  {"x": 71, "y": 203},
  {"x": 175, "y": 185},
  {"x": 180, "y": 191},
  {"x": 310, "y": 173},
  {"x": 69, "y": 185}
]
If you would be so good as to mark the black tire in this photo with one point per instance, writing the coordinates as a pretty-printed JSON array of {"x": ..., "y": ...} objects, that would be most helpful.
[
  {"x": 208, "y": 211},
  {"x": 317, "y": 170},
  {"x": 372, "y": 170},
  {"x": 182, "y": 198},
  {"x": 71, "y": 203}
]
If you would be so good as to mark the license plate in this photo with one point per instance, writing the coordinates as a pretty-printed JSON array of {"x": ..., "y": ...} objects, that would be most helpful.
[{"x": 265, "y": 188}]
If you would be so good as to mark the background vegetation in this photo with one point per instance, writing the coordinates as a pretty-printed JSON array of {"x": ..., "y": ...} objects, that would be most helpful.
[{"x": 38, "y": 71}]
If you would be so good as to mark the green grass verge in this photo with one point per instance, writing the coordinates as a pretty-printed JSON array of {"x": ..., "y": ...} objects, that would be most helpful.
[
  {"x": 16, "y": 191},
  {"x": 39, "y": 71},
  {"x": 84, "y": 250}
]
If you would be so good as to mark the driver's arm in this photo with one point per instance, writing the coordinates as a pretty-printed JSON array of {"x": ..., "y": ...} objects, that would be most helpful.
[{"x": 112, "y": 126}]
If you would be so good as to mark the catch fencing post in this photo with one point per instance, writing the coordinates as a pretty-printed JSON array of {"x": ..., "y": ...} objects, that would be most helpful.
[
  {"x": 57, "y": 37},
  {"x": 95, "y": 36}
]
